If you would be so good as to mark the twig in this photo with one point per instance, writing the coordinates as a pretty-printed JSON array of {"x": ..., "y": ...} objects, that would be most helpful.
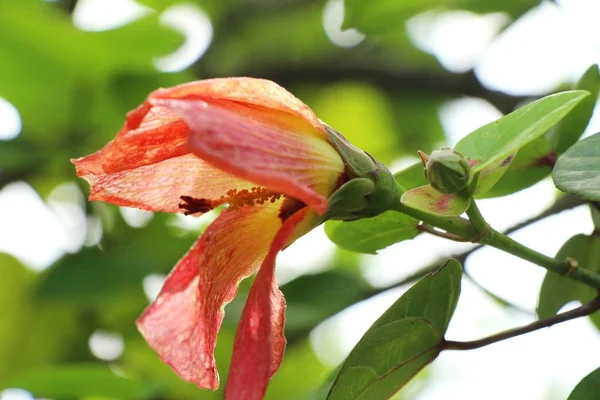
[
  {"x": 564, "y": 203},
  {"x": 431, "y": 230},
  {"x": 578, "y": 312}
]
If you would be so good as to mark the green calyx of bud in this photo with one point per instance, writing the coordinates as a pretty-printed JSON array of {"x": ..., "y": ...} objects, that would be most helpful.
[
  {"x": 370, "y": 189},
  {"x": 446, "y": 170}
]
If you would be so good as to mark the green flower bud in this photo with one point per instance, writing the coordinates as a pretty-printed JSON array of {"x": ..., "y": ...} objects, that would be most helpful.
[
  {"x": 371, "y": 188},
  {"x": 446, "y": 170}
]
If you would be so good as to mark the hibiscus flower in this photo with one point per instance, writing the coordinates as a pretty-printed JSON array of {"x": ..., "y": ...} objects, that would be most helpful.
[{"x": 251, "y": 145}]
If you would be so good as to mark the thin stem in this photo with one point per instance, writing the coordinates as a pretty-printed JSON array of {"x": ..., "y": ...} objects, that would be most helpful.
[
  {"x": 578, "y": 312},
  {"x": 486, "y": 235},
  {"x": 564, "y": 203},
  {"x": 432, "y": 231},
  {"x": 489, "y": 236},
  {"x": 456, "y": 225},
  {"x": 568, "y": 267},
  {"x": 476, "y": 218}
]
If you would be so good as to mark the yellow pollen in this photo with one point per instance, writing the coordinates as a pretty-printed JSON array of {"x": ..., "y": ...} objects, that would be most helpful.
[{"x": 235, "y": 198}]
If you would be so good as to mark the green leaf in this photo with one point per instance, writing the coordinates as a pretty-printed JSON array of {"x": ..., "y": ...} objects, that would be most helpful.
[
  {"x": 588, "y": 388},
  {"x": 531, "y": 165},
  {"x": 426, "y": 198},
  {"x": 595, "y": 216},
  {"x": 387, "y": 359},
  {"x": 535, "y": 161},
  {"x": 77, "y": 381},
  {"x": 570, "y": 129},
  {"x": 489, "y": 176},
  {"x": 403, "y": 340},
  {"x": 498, "y": 139},
  {"x": 371, "y": 234},
  {"x": 578, "y": 170},
  {"x": 412, "y": 176},
  {"x": 557, "y": 290},
  {"x": 521, "y": 131}
]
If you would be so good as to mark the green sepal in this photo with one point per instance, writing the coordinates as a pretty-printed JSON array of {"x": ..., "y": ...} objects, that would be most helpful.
[
  {"x": 356, "y": 161},
  {"x": 371, "y": 188},
  {"x": 350, "y": 199}
]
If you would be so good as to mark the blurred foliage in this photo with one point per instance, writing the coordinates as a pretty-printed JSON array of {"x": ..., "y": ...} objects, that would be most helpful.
[{"x": 72, "y": 89}]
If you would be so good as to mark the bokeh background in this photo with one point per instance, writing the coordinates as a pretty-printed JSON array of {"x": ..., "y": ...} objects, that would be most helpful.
[{"x": 416, "y": 74}]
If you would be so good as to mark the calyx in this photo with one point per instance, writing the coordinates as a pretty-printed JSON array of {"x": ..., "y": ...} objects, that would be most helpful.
[{"x": 370, "y": 189}]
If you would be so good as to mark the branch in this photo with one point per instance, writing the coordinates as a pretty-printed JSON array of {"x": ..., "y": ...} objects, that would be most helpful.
[
  {"x": 431, "y": 230},
  {"x": 578, "y": 312},
  {"x": 564, "y": 203}
]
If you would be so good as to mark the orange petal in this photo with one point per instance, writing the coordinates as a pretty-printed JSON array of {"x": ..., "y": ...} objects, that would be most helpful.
[
  {"x": 259, "y": 342},
  {"x": 181, "y": 324},
  {"x": 249, "y": 91},
  {"x": 159, "y": 186},
  {"x": 150, "y": 135},
  {"x": 250, "y": 144}
]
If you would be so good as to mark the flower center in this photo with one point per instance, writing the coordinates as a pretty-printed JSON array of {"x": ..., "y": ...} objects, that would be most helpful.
[{"x": 235, "y": 198}]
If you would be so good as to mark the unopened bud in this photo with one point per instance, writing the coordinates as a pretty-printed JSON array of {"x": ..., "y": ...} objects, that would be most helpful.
[
  {"x": 446, "y": 170},
  {"x": 371, "y": 188}
]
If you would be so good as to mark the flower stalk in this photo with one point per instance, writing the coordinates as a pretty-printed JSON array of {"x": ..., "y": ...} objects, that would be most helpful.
[{"x": 477, "y": 230}]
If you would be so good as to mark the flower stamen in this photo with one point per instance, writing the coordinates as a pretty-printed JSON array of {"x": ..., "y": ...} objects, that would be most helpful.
[{"x": 235, "y": 198}]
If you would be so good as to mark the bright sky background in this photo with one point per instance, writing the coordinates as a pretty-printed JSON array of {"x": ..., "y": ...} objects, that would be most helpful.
[{"x": 530, "y": 58}]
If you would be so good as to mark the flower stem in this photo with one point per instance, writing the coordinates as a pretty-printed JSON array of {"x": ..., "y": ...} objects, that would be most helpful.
[
  {"x": 432, "y": 231},
  {"x": 491, "y": 237},
  {"x": 455, "y": 225},
  {"x": 477, "y": 230},
  {"x": 476, "y": 218}
]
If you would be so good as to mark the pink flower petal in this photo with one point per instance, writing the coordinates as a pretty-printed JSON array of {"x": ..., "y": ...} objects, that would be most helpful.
[
  {"x": 181, "y": 325},
  {"x": 150, "y": 135},
  {"x": 259, "y": 342},
  {"x": 249, "y": 91},
  {"x": 159, "y": 186},
  {"x": 252, "y": 145}
]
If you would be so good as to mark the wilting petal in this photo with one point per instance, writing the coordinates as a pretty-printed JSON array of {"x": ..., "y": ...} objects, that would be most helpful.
[
  {"x": 248, "y": 144},
  {"x": 181, "y": 325},
  {"x": 150, "y": 135},
  {"x": 249, "y": 91},
  {"x": 159, "y": 186},
  {"x": 259, "y": 342}
]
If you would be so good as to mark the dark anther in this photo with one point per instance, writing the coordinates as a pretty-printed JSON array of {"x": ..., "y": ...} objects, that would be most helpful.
[{"x": 195, "y": 206}]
